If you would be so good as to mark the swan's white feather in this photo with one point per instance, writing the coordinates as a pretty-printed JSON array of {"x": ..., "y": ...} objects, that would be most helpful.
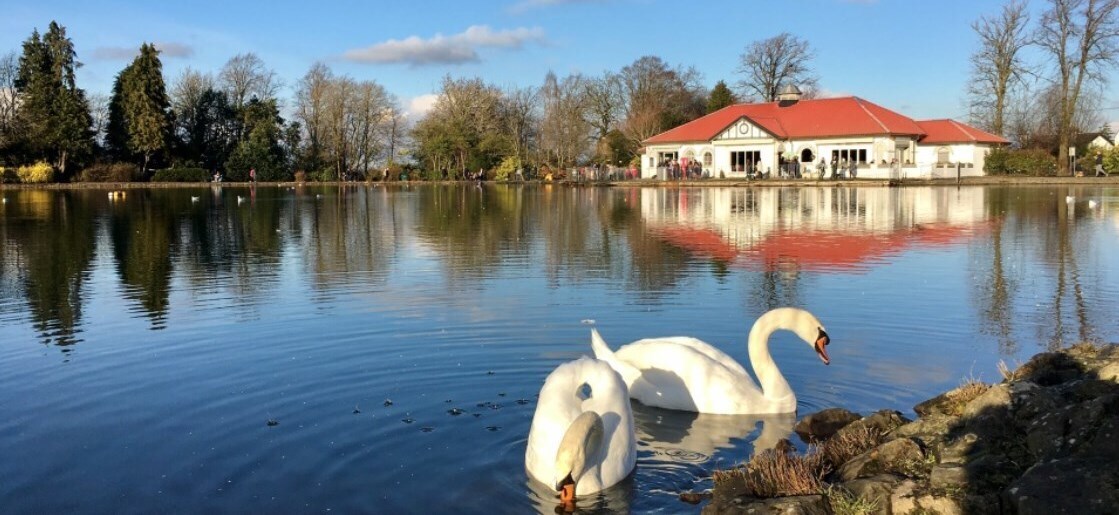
[{"x": 560, "y": 403}]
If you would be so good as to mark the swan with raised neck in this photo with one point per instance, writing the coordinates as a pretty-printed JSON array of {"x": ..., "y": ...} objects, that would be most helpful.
[{"x": 685, "y": 373}]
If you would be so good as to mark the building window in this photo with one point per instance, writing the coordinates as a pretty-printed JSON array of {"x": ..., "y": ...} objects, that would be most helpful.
[
  {"x": 943, "y": 155},
  {"x": 806, "y": 156},
  {"x": 665, "y": 157},
  {"x": 848, "y": 154},
  {"x": 743, "y": 161},
  {"x": 706, "y": 159}
]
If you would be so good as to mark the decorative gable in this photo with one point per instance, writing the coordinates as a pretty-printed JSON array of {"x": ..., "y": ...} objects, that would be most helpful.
[{"x": 743, "y": 129}]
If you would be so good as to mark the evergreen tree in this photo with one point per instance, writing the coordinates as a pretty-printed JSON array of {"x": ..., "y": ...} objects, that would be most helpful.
[
  {"x": 720, "y": 97},
  {"x": 139, "y": 112},
  {"x": 52, "y": 105},
  {"x": 262, "y": 148}
]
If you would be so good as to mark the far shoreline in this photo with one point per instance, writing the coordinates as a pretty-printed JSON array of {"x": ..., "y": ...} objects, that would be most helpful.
[{"x": 700, "y": 183}]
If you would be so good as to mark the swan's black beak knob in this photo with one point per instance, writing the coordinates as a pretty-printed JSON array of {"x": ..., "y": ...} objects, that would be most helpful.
[{"x": 822, "y": 341}]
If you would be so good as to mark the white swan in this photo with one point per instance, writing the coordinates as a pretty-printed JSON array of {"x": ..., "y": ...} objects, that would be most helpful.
[
  {"x": 193, "y": 198},
  {"x": 579, "y": 442},
  {"x": 684, "y": 373}
]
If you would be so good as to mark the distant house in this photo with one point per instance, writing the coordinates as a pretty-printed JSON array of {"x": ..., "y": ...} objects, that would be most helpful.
[
  {"x": 1097, "y": 140},
  {"x": 773, "y": 135}
]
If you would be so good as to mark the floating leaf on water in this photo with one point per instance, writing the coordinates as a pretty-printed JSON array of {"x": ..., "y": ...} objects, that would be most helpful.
[
  {"x": 455, "y": 412},
  {"x": 388, "y": 402},
  {"x": 407, "y": 420},
  {"x": 587, "y": 321},
  {"x": 427, "y": 429},
  {"x": 273, "y": 422}
]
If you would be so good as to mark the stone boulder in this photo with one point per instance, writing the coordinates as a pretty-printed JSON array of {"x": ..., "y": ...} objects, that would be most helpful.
[
  {"x": 883, "y": 422},
  {"x": 796, "y": 505},
  {"x": 895, "y": 456},
  {"x": 1066, "y": 486},
  {"x": 823, "y": 424},
  {"x": 877, "y": 489}
]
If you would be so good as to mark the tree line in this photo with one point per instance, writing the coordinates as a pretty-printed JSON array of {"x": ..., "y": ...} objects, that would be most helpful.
[
  {"x": 1041, "y": 83},
  {"x": 337, "y": 127}
]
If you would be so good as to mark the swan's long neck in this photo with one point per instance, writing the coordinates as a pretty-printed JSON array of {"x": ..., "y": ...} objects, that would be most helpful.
[{"x": 773, "y": 384}]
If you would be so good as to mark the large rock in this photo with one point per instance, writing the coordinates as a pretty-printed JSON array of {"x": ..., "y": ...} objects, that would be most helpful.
[
  {"x": 995, "y": 399},
  {"x": 894, "y": 456},
  {"x": 883, "y": 422},
  {"x": 798, "y": 505},
  {"x": 1066, "y": 486},
  {"x": 930, "y": 429},
  {"x": 877, "y": 489},
  {"x": 823, "y": 424}
]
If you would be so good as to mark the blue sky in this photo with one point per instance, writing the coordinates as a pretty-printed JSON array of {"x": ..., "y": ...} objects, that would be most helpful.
[{"x": 910, "y": 56}]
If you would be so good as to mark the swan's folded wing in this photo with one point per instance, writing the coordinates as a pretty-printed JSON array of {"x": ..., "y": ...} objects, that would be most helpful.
[{"x": 703, "y": 348}]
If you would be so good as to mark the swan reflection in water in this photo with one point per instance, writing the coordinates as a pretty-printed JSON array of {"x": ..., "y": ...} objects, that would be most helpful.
[
  {"x": 669, "y": 441},
  {"x": 698, "y": 437}
]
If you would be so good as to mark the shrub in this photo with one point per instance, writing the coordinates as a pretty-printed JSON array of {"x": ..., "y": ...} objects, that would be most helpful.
[
  {"x": 300, "y": 176},
  {"x": 114, "y": 172},
  {"x": 36, "y": 173},
  {"x": 507, "y": 169},
  {"x": 1034, "y": 161},
  {"x": 181, "y": 175},
  {"x": 8, "y": 175}
]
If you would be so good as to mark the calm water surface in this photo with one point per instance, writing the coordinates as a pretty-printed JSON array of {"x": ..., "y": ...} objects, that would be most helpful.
[{"x": 146, "y": 342}]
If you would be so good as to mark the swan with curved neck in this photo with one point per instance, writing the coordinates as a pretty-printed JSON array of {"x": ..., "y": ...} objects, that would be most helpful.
[
  {"x": 685, "y": 373},
  {"x": 582, "y": 434}
]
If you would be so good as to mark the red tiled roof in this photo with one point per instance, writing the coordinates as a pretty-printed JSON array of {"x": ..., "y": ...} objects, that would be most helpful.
[
  {"x": 818, "y": 118},
  {"x": 951, "y": 131}
]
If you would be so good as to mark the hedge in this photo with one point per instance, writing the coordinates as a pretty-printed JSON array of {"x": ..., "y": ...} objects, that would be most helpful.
[
  {"x": 181, "y": 175},
  {"x": 1036, "y": 162},
  {"x": 115, "y": 172}
]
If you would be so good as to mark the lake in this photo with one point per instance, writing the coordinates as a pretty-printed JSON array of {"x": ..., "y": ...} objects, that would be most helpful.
[{"x": 379, "y": 349}]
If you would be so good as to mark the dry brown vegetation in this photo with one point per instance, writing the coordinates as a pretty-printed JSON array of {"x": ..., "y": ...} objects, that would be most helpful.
[{"x": 845, "y": 445}]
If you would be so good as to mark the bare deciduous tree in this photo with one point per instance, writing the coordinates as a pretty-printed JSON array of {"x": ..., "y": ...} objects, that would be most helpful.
[
  {"x": 769, "y": 63},
  {"x": 658, "y": 97},
  {"x": 9, "y": 101},
  {"x": 1082, "y": 38},
  {"x": 997, "y": 65},
  {"x": 310, "y": 109},
  {"x": 99, "y": 113},
  {"x": 564, "y": 132},
  {"x": 519, "y": 113},
  {"x": 245, "y": 76},
  {"x": 604, "y": 103}
]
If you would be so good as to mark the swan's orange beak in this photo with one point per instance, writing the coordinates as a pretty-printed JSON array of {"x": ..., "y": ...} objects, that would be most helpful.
[{"x": 822, "y": 342}]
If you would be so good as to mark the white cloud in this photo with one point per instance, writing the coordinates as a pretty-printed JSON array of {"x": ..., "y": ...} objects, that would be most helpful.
[
  {"x": 828, "y": 93},
  {"x": 527, "y": 5},
  {"x": 440, "y": 49},
  {"x": 419, "y": 106},
  {"x": 166, "y": 50}
]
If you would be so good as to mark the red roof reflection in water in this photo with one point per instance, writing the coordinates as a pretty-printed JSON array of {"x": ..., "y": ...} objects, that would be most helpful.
[{"x": 816, "y": 250}]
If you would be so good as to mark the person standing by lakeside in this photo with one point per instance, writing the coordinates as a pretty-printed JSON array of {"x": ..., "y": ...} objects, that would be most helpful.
[
  {"x": 834, "y": 166},
  {"x": 852, "y": 170},
  {"x": 1099, "y": 165},
  {"x": 252, "y": 175},
  {"x": 821, "y": 168}
]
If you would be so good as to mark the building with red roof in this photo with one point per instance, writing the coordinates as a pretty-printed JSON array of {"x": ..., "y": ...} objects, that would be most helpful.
[{"x": 803, "y": 136}]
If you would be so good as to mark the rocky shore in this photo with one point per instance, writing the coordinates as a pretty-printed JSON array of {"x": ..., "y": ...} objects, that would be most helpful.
[{"x": 1043, "y": 441}]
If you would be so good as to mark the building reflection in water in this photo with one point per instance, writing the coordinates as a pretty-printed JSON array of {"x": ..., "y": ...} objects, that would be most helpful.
[{"x": 793, "y": 229}]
